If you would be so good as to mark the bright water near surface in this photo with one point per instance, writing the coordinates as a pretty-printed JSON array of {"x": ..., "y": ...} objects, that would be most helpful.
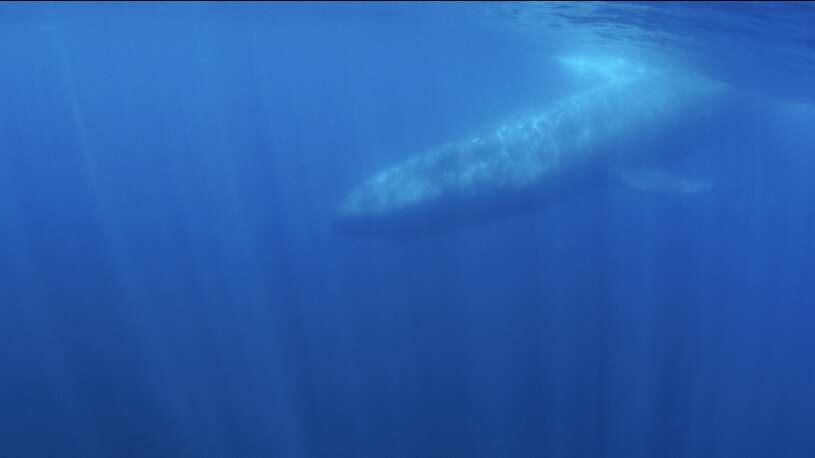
[{"x": 171, "y": 284}]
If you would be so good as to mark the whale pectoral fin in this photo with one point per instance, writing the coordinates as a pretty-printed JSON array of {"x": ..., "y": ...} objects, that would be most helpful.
[{"x": 658, "y": 181}]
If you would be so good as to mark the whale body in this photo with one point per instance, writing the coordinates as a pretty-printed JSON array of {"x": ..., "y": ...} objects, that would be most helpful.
[{"x": 622, "y": 130}]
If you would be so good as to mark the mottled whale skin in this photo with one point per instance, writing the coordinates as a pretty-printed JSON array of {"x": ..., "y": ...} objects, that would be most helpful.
[{"x": 535, "y": 159}]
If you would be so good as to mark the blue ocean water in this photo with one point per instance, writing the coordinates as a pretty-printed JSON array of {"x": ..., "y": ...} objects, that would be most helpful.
[{"x": 171, "y": 284}]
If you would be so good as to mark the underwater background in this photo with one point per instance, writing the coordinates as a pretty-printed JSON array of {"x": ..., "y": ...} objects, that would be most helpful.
[{"x": 171, "y": 286}]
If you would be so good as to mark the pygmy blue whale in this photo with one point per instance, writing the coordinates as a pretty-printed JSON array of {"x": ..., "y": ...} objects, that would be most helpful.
[{"x": 620, "y": 131}]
